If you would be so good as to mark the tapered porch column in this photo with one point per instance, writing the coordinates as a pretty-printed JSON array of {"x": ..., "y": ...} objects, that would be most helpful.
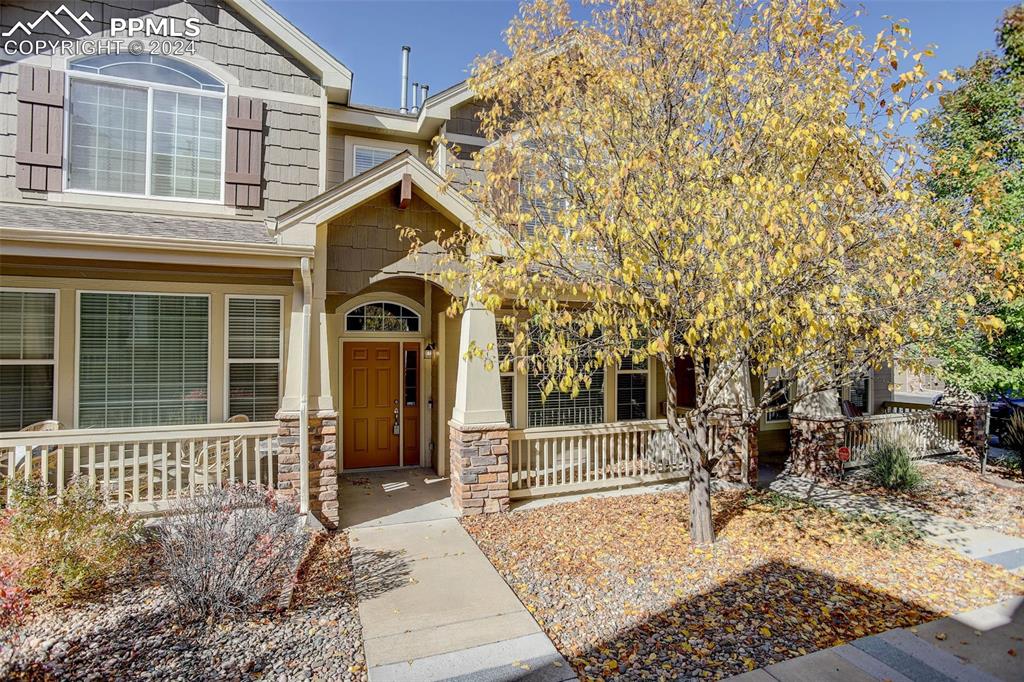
[
  {"x": 479, "y": 432},
  {"x": 739, "y": 442},
  {"x": 817, "y": 431},
  {"x": 308, "y": 423}
]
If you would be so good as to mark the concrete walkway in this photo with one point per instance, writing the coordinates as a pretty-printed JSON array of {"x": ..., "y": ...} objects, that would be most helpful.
[
  {"x": 433, "y": 608},
  {"x": 986, "y": 645},
  {"x": 975, "y": 542}
]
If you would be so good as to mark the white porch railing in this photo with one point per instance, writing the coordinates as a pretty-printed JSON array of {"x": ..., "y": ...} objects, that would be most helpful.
[
  {"x": 145, "y": 468},
  {"x": 928, "y": 432},
  {"x": 550, "y": 460}
]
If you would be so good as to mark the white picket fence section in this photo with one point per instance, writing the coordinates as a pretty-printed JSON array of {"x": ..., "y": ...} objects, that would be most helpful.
[
  {"x": 145, "y": 468},
  {"x": 927, "y": 432},
  {"x": 551, "y": 460}
]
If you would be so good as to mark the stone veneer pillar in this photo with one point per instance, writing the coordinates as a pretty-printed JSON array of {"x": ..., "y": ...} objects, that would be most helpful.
[
  {"x": 479, "y": 469},
  {"x": 814, "y": 446},
  {"x": 971, "y": 427},
  {"x": 323, "y": 463},
  {"x": 739, "y": 443}
]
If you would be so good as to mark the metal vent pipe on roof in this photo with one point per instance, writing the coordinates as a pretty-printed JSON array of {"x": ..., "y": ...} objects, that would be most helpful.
[
  {"x": 405, "y": 79},
  {"x": 424, "y": 89},
  {"x": 415, "y": 96}
]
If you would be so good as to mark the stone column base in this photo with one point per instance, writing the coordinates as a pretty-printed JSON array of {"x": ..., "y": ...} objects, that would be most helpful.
[
  {"x": 814, "y": 447},
  {"x": 479, "y": 468},
  {"x": 739, "y": 452},
  {"x": 971, "y": 422},
  {"x": 323, "y": 463}
]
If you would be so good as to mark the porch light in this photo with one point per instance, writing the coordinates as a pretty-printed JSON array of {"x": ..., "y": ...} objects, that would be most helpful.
[{"x": 428, "y": 352}]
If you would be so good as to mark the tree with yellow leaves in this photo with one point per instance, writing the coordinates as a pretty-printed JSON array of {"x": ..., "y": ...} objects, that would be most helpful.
[{"x": 721, "y": 180}]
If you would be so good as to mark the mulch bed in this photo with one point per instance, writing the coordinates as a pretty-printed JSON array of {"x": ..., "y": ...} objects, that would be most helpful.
[
  {"x": 620, "y": 590},
  {"x": 954, "y": 487},
  {"x": 135, "y": 633}
]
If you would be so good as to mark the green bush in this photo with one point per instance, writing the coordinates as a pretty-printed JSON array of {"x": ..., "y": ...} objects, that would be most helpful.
[
  {"x": 67, "y": 548},
  {"x": 891, "y": 465}
]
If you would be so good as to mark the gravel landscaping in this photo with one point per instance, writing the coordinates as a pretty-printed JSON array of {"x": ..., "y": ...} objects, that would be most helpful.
[
  {"x": 135, "y": 633},
  {"x": 622, "y": 593},
  {"x": 954, "y": 487}
]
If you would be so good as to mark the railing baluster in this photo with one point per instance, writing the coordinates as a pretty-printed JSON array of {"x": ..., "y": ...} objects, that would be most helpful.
[
  {"x": 150, "y": 462},
  {"x": 245, "y": 461},
  {"x": 220, "y": 443},
  {"x": 11, "y": 469},
  {"x": 121, "y": 473}
]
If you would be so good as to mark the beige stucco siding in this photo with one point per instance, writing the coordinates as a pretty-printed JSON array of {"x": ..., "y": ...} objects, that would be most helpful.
[{"x": 67, "y": 328}]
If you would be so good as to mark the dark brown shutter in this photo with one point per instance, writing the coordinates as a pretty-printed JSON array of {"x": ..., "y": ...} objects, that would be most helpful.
[
  {"x": 243, "y": 175},
  {"x": 39, "y": 153}
]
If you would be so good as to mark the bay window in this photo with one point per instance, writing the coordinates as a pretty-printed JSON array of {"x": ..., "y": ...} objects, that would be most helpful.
[
  {"x": 27, "y": 357},
  {"x": 145, "y": 125},
  {"x": 143, "y": 359},
  {"x": 254, "y": 356}
]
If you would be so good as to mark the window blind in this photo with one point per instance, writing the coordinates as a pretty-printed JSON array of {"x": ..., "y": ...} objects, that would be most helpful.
[
  {"x": 365, "y": 158},
  {"x": 143, "y": 359},
  {"x": 26, "y": 358},
  {"x": 254, "y": 357}
]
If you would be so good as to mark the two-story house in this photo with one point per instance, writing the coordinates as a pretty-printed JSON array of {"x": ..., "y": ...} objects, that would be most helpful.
[{"x": 203, "y": 280}]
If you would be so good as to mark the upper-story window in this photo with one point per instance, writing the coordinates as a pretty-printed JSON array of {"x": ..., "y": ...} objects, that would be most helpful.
[
  {"x": 145, "y": 125},
  {"x": 365, "y": 158}
]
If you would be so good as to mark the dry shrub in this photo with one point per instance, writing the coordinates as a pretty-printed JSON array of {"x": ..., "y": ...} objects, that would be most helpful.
[
  {"x": 891, "y": 465},
  {"x": 228, "y": 550},
  {"x": 65, "y": 548}
]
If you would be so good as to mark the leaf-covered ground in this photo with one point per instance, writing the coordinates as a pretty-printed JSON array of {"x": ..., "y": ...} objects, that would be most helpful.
[
  {"x": 954, "y": 487},
  {"x": 620, "y": 590}
]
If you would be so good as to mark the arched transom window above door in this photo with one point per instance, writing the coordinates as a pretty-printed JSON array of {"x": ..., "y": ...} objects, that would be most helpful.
[{"x": 381, "y": 316}]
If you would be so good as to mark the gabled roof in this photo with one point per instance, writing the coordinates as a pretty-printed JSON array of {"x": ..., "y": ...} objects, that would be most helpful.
[
  {"x": 335, "y": 76},
  {"x": 365, "y": 186}
]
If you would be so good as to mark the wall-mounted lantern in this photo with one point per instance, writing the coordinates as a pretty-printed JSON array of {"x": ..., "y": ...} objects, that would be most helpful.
[{"x": 428, "y": 352}]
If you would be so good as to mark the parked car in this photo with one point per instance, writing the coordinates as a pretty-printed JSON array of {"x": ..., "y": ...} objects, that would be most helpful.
[{"x": 1000, "y": 410}]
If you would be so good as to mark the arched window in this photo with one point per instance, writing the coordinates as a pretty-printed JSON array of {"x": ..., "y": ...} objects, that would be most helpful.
[
  {"x": 382, "y": 317},
  {"x": 145, "y": 125}
]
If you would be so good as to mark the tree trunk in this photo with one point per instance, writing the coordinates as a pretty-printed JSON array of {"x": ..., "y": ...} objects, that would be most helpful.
[
  {"x": 702, "y": 531},
  {"x": 692, "y": 438}
]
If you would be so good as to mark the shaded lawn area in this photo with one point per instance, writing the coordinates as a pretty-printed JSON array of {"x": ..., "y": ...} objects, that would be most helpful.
[
  {"x": 954, "y": 487},
  {"x": 620, "y": 590}
]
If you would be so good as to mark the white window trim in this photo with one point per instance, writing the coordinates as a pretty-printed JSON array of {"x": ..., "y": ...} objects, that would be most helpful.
[
  {"x": 70, "y": 75},
  {"x": 56, "y": 340},
  {"x": 352, "y": 142},
  {"x": 374, "y": 334},
  {"x": 764, "y": 387},
  {"x": 209, "y": 336},
  {"x": 228, "y": 360},
  {"x": 647, "y": 372}
]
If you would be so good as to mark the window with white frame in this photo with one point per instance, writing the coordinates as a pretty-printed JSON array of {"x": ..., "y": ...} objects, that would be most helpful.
[
  {"x": 364, "y": 158},
  {"x": 143, "y": 359},
  {"x": 631, "y": 390},
  {"x": 859, "y": 393},
  {"x": 27, "y": 338},
  {"x": 254, "y": 356},
  {"x": 507, "y": 375},
  {"x": 145, "y": 125},
  {"x": 780, "y": 388},
  {"x": 382, "y": 317}
]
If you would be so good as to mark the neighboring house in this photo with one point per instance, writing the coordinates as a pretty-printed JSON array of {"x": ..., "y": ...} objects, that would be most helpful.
[{"x": 191, "y": 239}]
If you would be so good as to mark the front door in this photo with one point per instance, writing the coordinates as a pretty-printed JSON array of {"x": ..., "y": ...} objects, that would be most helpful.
[{"x": 370, "y": 404}]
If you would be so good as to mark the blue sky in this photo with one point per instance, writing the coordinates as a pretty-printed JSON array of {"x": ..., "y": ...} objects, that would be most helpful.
[{"x": 445, "y": 35}]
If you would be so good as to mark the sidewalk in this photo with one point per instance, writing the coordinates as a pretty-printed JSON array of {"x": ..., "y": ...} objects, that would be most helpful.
[
  {"x": 449, "y": 614},
  {"x": 983, "y": 544},
  {"x": 985, "y": 645}
]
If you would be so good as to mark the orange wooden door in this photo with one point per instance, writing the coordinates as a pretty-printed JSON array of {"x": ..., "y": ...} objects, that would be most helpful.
[{"x": 370, "y": 399}]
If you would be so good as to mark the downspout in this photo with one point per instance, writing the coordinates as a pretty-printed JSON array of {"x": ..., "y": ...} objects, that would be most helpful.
[{"x": 307, "y": 297}]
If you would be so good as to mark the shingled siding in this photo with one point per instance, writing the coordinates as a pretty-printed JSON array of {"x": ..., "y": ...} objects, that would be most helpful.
[
  {"x": 8, "y": 126},
  {"x": 291, "y": 156},
  {"x": 366, "y": 239},
  {"x": 291, "y": 151}
]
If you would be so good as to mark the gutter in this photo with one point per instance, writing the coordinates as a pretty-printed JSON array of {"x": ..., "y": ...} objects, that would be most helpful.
[{"x": 307, "y": 297}]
